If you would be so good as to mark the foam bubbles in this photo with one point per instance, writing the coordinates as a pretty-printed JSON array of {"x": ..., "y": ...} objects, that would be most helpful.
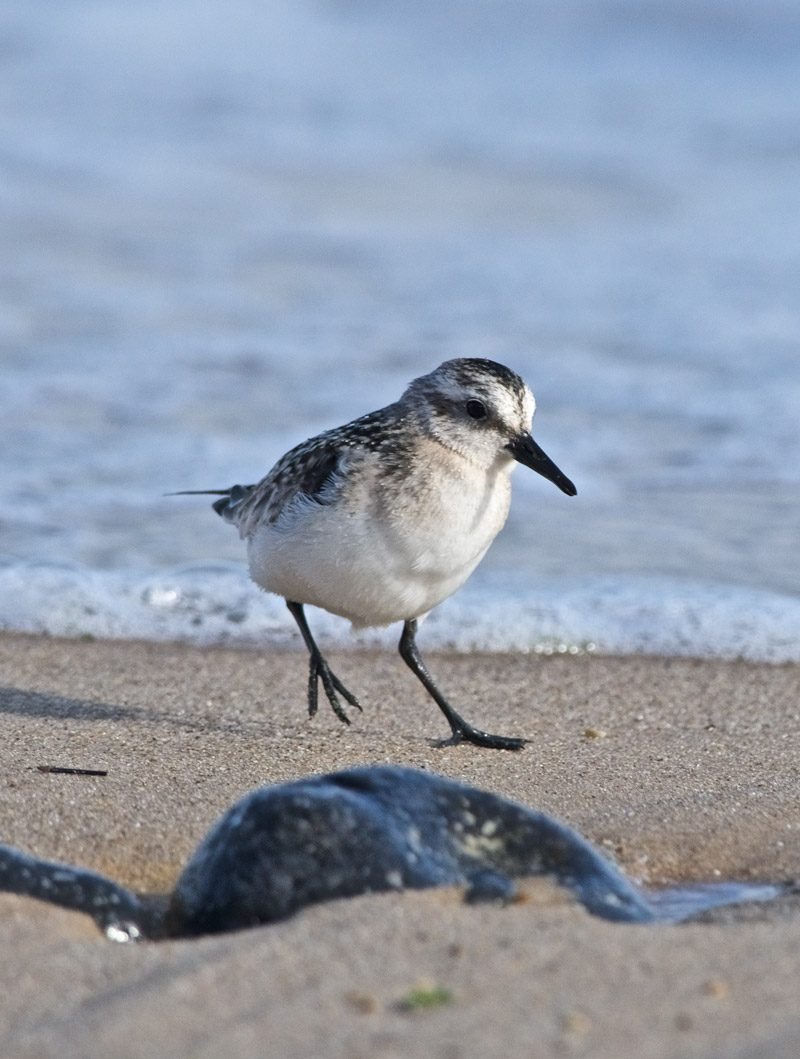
[{"x": 216, "y": 603}]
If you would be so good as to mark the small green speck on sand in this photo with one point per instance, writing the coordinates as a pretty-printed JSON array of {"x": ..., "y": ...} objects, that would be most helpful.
[{"x": 426, "y": 997}]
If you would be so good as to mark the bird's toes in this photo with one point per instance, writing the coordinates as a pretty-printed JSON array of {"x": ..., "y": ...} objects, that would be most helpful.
[
  {"x": 478, "y": 738},
  {"x": 331, "y": 686},
  {"x": 336, "y": 706},
  {"x": 347, "y": 694}
]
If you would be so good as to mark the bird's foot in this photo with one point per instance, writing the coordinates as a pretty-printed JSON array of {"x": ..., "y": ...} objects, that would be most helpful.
[
  {"x": 462, "y": 730},
  {"x": 465, "y": 733},
  {"x": 320, "y": 670}
]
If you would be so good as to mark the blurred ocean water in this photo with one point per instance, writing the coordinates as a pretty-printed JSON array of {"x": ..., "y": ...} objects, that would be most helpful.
[{"x": 227, "y": 226}]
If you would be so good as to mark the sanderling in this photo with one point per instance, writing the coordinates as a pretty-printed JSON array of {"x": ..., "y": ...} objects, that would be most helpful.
[{"x": 382, "y": 519}]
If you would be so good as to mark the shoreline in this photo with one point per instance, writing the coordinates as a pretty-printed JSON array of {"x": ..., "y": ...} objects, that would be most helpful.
[{"x": 682, "y": 770}]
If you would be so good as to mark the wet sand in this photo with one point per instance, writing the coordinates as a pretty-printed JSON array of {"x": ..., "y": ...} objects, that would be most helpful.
[{"x": 682, "y": 770}]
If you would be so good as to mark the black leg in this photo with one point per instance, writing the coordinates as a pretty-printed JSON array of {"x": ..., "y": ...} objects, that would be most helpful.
[
  {"x": 319, "y": 669},
  {"x": 462, "y": 731}
]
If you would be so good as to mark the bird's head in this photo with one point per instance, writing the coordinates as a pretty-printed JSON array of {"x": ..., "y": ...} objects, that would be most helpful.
[{"x": 483, "y": 411}]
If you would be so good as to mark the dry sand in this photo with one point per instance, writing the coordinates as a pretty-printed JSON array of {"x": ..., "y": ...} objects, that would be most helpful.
[{"x": 693, "y": 776}]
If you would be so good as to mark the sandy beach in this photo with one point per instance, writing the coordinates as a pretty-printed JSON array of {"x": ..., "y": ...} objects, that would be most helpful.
[{"x": 682, "y": 770}]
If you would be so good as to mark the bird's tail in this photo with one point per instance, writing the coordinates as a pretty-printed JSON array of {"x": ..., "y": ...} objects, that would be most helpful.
[{"x": 228, "y": 502}]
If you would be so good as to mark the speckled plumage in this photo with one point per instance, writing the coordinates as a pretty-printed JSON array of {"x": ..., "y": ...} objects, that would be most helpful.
[
  {"x": 306, "y": 469},
  {"x": 392, "y": 433},
  {"x": 382, "y": 519}
]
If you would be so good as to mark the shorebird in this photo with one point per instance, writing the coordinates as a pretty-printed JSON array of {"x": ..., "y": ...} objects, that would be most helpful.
[{"x": 382, "y": 519}]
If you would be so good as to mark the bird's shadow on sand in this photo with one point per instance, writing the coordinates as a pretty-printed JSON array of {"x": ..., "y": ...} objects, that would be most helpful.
[{"x": 24, "y": 703}]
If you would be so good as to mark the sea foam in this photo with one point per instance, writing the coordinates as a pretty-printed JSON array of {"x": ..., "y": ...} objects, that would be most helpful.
[{"x": 217, "y": 604}]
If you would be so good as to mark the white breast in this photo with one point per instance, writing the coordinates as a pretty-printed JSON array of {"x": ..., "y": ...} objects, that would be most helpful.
[{"x": 385, "y": 550}]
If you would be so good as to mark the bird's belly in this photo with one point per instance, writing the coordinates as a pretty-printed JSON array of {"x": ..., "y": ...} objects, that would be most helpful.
[{"x": 378, "y": 570}]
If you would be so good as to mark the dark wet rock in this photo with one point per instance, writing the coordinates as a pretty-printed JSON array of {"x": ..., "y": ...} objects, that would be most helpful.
[
  {"x": 118, "y": 912},
  {"x": 376, "y": 829},
  {"x": 489, "y": 887},
  {"x": 367, "y": 830}
]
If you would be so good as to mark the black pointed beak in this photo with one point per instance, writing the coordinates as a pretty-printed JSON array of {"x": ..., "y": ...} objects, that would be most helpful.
[{"x": 525, "y": 450}]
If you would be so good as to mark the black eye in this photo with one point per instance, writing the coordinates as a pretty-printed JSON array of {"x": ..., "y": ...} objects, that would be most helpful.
[{"x": 476, "y": 409}]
